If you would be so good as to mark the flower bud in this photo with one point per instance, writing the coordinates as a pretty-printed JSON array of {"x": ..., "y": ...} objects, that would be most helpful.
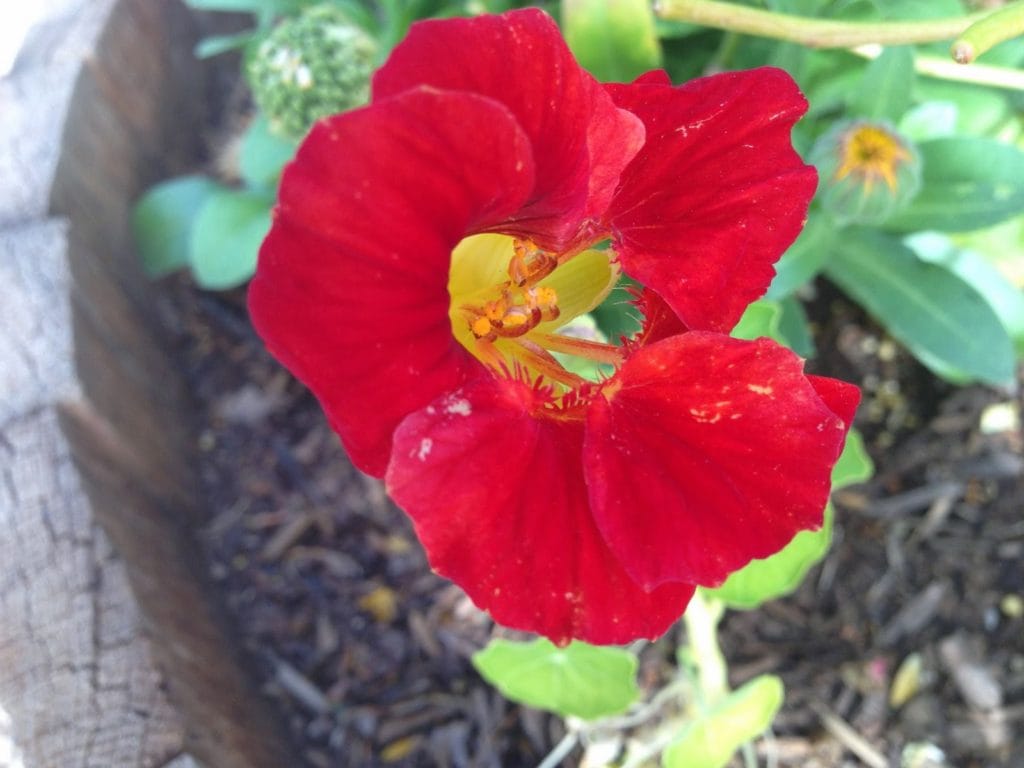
[
  {"x": 316, "y": 64},
  {"x": 868, "y": 171}
]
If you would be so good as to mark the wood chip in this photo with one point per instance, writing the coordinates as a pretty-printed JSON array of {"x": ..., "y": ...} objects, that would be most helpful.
[
  {"x": 424, "y": 634},
  {"x": 916, "y": 499},
  {"x": 300, "y": 687},
  {"x": 287, "y": 535},
  {"x": 976, "y": 683},
  {"x": 915, "y": 615}
]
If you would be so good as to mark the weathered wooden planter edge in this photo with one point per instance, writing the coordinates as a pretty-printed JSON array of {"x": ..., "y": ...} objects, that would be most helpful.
[{"x": 133, "y": 115}]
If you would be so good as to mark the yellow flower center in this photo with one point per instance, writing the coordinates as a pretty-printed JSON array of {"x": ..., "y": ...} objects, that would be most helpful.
[
  {"x": 509, "y": 298},
  {"x": 873, "y": 154}
]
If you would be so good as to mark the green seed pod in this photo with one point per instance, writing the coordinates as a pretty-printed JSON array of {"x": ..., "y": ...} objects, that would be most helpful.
[
  {"x": 316, "y": 64},
  {"x": 868, "y": 172}
]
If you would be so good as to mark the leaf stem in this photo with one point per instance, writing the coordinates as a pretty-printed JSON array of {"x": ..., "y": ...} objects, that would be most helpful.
[
  {"x": 816, "y": 33},
  {"x": 561, "y": 750},
  {"x": 986, "y": 33},
  {"x": 944, "y": 69}
]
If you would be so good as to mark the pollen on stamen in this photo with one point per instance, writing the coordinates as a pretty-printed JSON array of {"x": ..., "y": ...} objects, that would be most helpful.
[
  {"x": 481, "y": 327},
  {"x": 529, "y": 264},
  {"x": 545, "y": 300}
]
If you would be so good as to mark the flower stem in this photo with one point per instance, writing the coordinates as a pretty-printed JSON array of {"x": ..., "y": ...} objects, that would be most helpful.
[
  {"x": 816, "y": 33},
  {"x": 986, "y": 33},
  {"x": 701, "y": 620}
]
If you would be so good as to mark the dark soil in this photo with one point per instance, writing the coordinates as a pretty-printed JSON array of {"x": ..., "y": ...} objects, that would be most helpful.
[{"x": 366, "y": 651}]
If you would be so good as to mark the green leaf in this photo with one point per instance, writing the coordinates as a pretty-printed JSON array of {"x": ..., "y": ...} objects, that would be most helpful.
[
  {"x": 794, "y": 327},
  {"x": 212, "y": 46},
  {"x": 580, "y": 680},
  {"x": 710, "y": 740},
  {"x": 247, "y": 6},
  {"x": 1006, "y": 299},
  {"x": 1009, "y": 53},
  {"x": 778, "y": 575},
  {"x": 772, "y": 577},
  {"x": 941, "y": 319},
  {"x": 784, "y": 321},
  {"x": 967, "y": 183},
  {"x": 804, "y": 258},
  {"x": 1002, "y": 245},
  {"x": 162, "y": 221},
  {"x": 854, "y": 464},
  {"x": 760, "y": 319},
  {"x": 614, "y": 41},
  {"x": 617, "y": 316},
  {"x": 921, "y": 9},
  {"x": 978, "y": 110},
  {"x": 226, "y": 238},
  {"x": 931, "y": 120},
  {"x": 832, "y": 78},
  {"x": 885, "y": 89},
  {"x": 263, "y": 154},
  {"x": 798, "y": 7}
]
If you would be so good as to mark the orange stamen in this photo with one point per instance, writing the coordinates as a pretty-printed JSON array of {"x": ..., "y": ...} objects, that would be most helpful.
[
  {"x": 541, "y": 361},
  {"x": 591, "y": 350},
  {"x": 529, "y": 264}
]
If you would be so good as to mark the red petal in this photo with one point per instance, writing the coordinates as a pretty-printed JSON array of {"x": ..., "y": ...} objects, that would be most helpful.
[
  {"x": 499, "y": 502},
  {"x": 840, "y": 397},
  {"x": 708, "y": 452},
  {"x": 660, "y": 321},
  {"x": 717, "y": 193},
  {"x": 351, "y": 288},
  {"x": 654, "y": 77},
  {"x": 581, "y": 142}
]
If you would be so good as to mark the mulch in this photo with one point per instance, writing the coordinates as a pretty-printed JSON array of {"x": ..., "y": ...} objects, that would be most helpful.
[{"x": 365, "y": 651}]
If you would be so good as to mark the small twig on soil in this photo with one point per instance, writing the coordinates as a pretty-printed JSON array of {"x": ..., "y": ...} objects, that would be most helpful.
[
  {"x": 937, "y": 514},
  {"x": 300, "y": 687},
  {"x": 293, "y": 470},
  {"x": 286, "y": 535},
  {"x": 915, "y": 615},
  {"x": 849, "y": 738},
  {"x": 916, "y": 499}
]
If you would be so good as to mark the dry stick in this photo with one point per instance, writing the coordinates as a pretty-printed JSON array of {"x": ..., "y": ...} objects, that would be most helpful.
[{"x": 849, "y": 738}]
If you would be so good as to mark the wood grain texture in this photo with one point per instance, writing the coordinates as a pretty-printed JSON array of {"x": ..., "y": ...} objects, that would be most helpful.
[
  {"x": 97, "y": 494},
  {"x": 76, "y": 674}
]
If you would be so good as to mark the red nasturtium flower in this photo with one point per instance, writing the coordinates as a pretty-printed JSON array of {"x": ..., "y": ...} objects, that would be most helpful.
[{"x": 426, "y": 249}]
